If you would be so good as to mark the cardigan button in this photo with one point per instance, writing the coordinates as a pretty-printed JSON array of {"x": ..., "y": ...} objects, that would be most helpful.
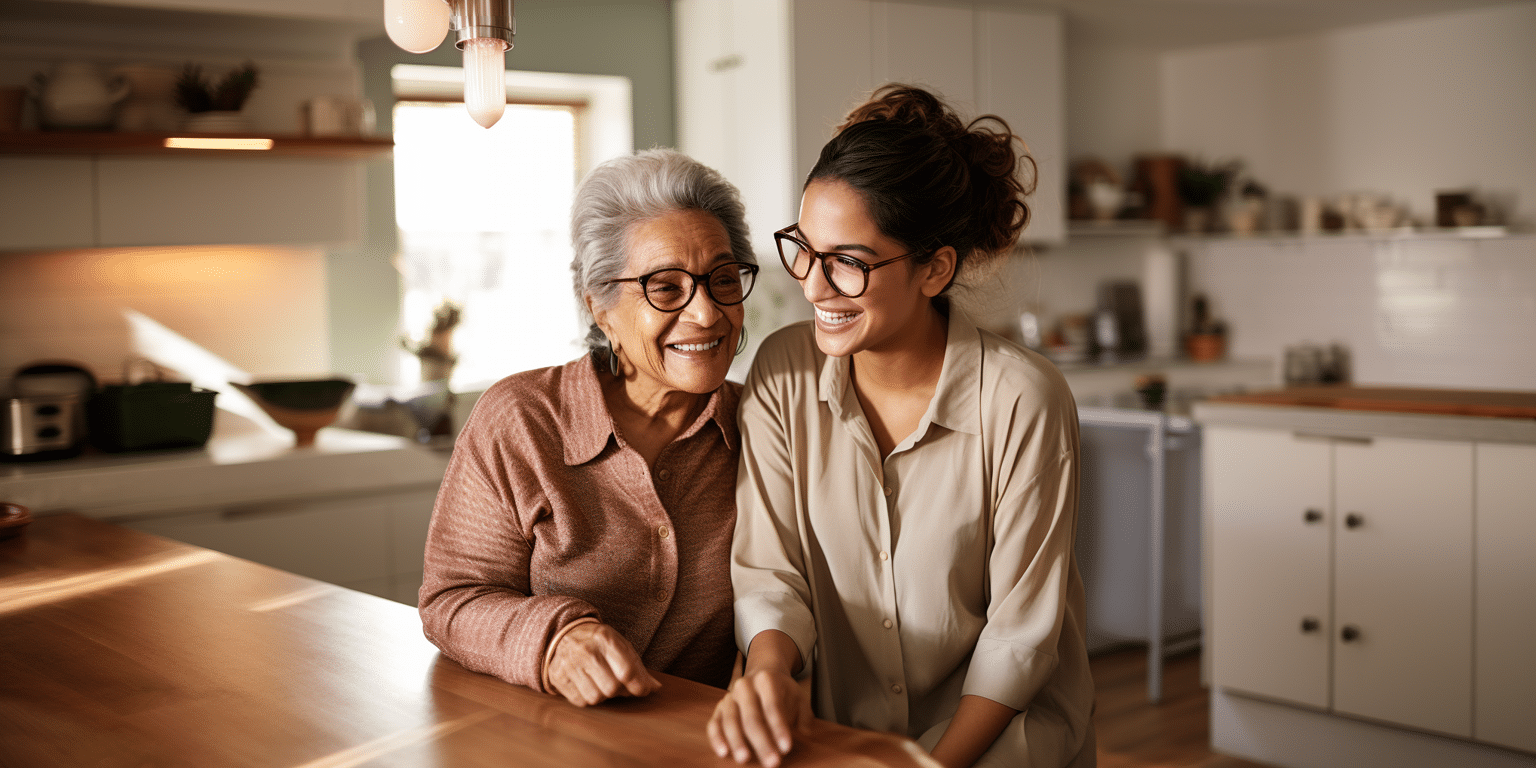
[{"x": 664, "y": 532}]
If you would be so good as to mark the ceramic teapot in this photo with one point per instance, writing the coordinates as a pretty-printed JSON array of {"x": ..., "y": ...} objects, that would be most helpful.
[{"x": 78, "y": 95}]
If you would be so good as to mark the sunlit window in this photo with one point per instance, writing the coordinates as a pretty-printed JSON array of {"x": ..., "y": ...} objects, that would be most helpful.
[{"x": 484, "y": 223}]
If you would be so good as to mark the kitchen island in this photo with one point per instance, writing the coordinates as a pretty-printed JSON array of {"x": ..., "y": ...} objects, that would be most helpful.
[
  {"x": 1369, "y": 576},
  {"x": 125, "y": 649}
]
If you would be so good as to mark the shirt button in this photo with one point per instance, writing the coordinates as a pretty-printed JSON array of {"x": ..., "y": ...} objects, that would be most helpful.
[
  {"x": 664, "y": 474},
  {"x": 887, "y": 490},
  {"x": 661, "y": 595},
  {"x": 664, "y": 532},
  {"x": 896, "y": 689},
  {"x": 887, "y": 624},
  {"x": 884, "y": 556}
]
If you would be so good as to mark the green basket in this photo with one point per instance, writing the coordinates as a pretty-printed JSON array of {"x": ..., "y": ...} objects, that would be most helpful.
[{"x": 152, "y": 415}]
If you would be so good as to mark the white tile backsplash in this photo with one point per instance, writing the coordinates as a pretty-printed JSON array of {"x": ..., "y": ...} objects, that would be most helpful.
[
  {"x": 1418, "y": 311},
  {"x": 261, "y": 309}
]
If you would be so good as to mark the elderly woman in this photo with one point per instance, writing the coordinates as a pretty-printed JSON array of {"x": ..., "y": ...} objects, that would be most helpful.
[{"x": 582, "y": 533}]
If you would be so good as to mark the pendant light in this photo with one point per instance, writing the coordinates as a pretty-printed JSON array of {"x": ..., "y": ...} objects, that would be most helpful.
[{"x": 485, "y": 29}]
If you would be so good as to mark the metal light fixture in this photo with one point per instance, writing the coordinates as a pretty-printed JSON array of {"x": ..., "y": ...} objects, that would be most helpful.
[{"x": 485, "y": 29}]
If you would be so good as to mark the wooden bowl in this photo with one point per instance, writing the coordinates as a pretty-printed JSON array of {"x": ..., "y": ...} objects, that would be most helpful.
[
  {"x": 302, "y": 406},
  {"x": 13, "y": 518}
]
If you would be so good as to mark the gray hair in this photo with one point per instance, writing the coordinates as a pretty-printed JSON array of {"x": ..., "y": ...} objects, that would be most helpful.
[{"x": 626, "y": 191}]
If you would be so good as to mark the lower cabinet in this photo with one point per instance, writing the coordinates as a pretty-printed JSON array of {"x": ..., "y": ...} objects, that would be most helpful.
[
  {"x": 369, "y": 542},
  {"x": 1385, "y": 579}
]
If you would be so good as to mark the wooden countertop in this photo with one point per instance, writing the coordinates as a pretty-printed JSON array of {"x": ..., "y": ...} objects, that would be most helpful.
[
  {"x": 125, "y": 649},
  {"x": 1445, "y": 402}
]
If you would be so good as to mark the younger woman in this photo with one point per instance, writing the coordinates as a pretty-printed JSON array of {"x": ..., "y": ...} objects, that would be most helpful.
[{"x": 908, "y": 488}]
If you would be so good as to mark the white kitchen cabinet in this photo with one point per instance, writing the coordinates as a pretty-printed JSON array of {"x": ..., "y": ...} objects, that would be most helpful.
[
  {"x": 1391, "y": 521},
  {"x": 195, "y": 201},
  {"x": 1506, "y": 608},
  {"x": 370, "y": 542},
  {"x": 47, "y": 203},
  {"x": 1270, "y": 562},
  {"x": 117, "y": 201},
  {"x": 1403, "y": 582},
  {"x": 762, "y": 84},
  {"x": 336, "y": 10}
]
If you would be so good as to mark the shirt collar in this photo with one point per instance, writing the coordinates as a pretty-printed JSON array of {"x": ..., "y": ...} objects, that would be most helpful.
[
  {"x": 587, "y": 425},
  {"x": 957, "y": 398}
]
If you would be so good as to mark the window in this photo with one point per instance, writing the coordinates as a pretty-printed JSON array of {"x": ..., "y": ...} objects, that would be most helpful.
[{"x": 484, "y": 214}]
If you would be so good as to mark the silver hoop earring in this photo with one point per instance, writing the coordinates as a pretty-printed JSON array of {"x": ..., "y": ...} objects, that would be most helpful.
[
  {"x": 613, "y": 360},
  {"x": 741, "y": 346}
]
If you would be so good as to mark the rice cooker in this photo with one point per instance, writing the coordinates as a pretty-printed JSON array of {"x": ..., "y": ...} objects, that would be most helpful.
[{"x": 43, "y": 417}]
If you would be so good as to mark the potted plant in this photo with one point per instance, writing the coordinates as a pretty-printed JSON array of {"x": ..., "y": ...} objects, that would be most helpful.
[
  {"x": 1201, "y": 186},
  {"x": 214, "y": 107}
]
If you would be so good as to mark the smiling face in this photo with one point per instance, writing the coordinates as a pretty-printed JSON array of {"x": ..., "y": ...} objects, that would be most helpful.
[
  {"x": 834, "y": 218},
  {"x": 689, "y": 350}
]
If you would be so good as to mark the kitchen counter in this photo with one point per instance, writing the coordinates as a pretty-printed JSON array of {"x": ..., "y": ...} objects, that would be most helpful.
[
  {"x": 1363, "y": 412},
  {"x": 122, "y": 648},
  {"x": 243, "y": 462}
]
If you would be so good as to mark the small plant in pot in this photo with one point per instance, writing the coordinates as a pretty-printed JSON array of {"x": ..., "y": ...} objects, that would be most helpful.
[
  {"x": 1201, "y": 186},
  {"x": 214, "y": 107}
]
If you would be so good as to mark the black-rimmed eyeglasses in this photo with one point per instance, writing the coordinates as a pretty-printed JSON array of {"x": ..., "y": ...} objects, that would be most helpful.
[
  {"x": 669, "y": 290},
  {"x": 847, "y": 275}
]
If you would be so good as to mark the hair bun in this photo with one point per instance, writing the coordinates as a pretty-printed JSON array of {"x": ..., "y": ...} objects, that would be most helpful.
[{"x": 974, "y": 176}]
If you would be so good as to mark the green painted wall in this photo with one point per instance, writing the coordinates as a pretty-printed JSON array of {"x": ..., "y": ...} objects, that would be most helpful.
[{"x": 631, "y": 38}]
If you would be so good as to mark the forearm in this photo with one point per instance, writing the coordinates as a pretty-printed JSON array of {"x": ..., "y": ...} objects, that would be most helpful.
[
  {"x": 976, "y": 724},
  {"x": 772, "y": 650}
]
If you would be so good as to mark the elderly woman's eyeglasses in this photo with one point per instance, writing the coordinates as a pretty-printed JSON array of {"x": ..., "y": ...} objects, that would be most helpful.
[
  {"x": 669, "y": 290},
  {"x": 847, "y": 275}
]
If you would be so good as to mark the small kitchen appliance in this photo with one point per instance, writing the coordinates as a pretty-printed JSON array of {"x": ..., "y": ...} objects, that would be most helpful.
[{"x": 43, "y": 417}]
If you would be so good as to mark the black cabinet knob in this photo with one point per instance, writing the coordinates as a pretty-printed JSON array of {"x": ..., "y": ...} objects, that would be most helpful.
[
  {"x": 1349, "y": 634},
  {"x": 1310, "y": 624},
  {"x": 1312, "y": 515},
  {"x": 1353, "y": 520}
]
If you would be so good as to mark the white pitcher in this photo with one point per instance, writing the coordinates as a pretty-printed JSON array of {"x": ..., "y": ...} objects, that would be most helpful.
[{"x": 78, "y": 95}]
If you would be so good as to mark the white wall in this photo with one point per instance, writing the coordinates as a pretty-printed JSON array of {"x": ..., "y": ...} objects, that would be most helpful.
[
  {"x": 1403, "y": 108},
  {"x": 1113, "y": 107},
  {"x": 260, "y": 309}
]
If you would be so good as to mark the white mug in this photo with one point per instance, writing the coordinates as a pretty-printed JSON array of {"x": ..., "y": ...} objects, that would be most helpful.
[{"x": 332, "y": 116}]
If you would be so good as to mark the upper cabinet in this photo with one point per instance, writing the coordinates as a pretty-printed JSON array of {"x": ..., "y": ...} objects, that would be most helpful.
[
  {"x": 763, "y": 83},
  {"x": 366, "y": 11}
]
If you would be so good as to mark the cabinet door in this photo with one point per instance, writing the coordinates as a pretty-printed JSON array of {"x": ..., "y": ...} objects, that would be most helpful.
[
  {"x": 1506, "y": 609},
  {"x": 1403, "y": 582},
  {"x": 47, "y": 202},
  {"x": 343, "y": 540},
  {"x": 196, "y": 201},
  {"x": 1021, "y": 77},
  {"x": 833, "y": 71},
  {"x": 1269, "y": 497},
  {"x": 928, "y": 45}
]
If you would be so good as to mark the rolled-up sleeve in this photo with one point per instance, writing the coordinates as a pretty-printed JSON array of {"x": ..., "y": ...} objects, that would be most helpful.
[
  {"x": 767, "y": 556},
  {"x": 477, "y": 604},
  {"x": 1030, "y": 566}
]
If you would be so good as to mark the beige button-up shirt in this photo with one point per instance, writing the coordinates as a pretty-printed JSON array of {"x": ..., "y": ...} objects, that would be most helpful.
[{"x": 944, "y": 569}]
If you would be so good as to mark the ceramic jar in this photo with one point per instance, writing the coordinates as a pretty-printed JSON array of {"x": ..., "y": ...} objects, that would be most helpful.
[
  {"x": 151, "y": 103},
  {"x": 77, "y": 95}
]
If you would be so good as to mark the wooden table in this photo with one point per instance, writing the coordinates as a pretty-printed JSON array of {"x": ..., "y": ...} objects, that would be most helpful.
[{"x": 122, "y": 649}]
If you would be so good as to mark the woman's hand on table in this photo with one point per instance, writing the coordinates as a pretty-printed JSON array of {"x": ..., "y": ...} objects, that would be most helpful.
[
  {"x": 593, "y": 663},
  {"x": 764, "y": 706}
]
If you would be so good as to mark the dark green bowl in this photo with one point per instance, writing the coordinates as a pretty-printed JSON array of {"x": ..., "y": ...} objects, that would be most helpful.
[{"x": 306, "y": 395}]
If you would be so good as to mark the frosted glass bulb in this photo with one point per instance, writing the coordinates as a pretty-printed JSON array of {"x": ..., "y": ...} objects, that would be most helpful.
[
  {"x": 485, "y": 88},
  {"x": 417, "y": 26}
]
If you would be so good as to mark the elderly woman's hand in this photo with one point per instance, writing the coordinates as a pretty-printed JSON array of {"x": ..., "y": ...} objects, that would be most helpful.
[{"x": 593, "y": 663}]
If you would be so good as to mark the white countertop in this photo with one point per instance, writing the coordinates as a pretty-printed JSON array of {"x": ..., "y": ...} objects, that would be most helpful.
[{"x": 242, "y": 462}]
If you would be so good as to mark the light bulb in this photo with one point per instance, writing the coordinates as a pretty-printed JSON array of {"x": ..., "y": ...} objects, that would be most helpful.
[
  {"x": 417, "y": 26},
  {"x": 485, "y": 89}
]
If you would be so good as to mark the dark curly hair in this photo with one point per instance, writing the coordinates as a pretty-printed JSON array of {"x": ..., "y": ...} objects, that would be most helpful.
[{"x": 930, "y": 180}]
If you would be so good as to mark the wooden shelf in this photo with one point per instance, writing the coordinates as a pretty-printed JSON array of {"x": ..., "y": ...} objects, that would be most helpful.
[{"x": 113, "y": 143}]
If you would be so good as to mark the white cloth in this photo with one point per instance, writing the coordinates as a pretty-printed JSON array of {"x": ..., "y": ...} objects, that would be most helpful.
[{"x": 945, "y": 569}]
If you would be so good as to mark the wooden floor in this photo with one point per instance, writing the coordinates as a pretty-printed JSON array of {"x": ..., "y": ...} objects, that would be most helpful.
[{"x": 1135, "y": 734}]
